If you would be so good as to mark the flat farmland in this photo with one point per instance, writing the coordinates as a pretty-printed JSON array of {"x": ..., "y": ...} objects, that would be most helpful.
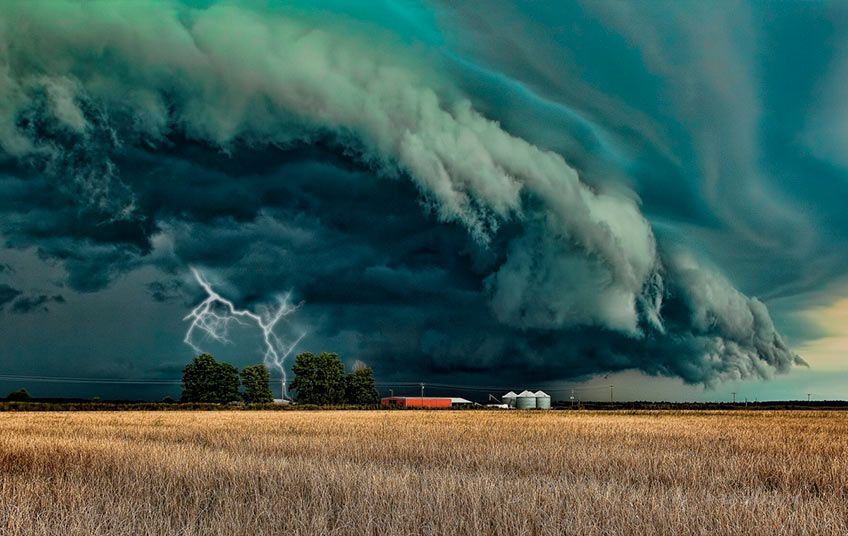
[{"x": 423, "y": 472}]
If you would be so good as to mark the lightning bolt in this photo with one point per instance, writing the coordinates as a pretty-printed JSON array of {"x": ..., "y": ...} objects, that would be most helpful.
[{"x": 214, "y": 316}]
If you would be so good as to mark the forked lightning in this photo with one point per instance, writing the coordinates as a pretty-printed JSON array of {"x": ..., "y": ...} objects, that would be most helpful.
[{"x": 214, "y": 315}]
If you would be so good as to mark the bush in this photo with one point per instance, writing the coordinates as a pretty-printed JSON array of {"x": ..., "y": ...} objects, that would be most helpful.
[{"x": 21, "y": 395}]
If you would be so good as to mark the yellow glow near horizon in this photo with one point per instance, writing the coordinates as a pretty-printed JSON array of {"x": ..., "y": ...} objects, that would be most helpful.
[{"x": 831, "y": 350}]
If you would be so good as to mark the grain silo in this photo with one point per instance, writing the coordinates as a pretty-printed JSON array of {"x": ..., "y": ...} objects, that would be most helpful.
[
  {"x": 525, "y": 400},
  {"x": 509, "y": 399},
  {"x": 543, "y": 400}
]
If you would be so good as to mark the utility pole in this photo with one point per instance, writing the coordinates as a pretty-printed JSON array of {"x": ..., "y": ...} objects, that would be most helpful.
[
  {"x": 734, "y": 397},
  {"x": 611, "y": 394},
  {"x": 572, "y": 399},
  {"x": 808, "y": 397},
  {"x": 422, "y": 394},
  {"x": 392, "y": 393},
  {"x": 283, "y": 392}
]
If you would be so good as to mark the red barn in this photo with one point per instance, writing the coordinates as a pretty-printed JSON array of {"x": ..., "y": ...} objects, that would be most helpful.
[{"x": 416, "y": 402}]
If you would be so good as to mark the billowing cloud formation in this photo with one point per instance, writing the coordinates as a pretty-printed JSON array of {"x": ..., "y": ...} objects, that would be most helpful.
[{"x": 280, "y": 149}]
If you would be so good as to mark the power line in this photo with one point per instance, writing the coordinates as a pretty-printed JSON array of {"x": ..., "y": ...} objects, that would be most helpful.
[
  {"x": 171, "y": 381},
  {"x": 68, "y": 379},
  {"x": 489, "y": 387}
]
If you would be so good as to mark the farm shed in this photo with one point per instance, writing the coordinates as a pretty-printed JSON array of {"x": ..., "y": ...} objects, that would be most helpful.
[{"x": 416, "y": 402}]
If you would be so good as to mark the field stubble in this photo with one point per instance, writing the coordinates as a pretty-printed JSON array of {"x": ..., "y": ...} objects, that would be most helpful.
[{"x": 416, "y": 472}]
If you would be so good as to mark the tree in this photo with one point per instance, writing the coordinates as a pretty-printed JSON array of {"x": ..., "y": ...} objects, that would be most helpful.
[
  {"x": 255, "y": 379},
  {"x": 21, "y": 395},
  {"x": 359, "y": 387},
  {"x": 206, "y": 379},
  {"x": 319, "y": 379}
]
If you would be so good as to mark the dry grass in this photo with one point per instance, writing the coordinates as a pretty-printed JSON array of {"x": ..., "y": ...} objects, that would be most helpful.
[{"x": 423, "y": 473}]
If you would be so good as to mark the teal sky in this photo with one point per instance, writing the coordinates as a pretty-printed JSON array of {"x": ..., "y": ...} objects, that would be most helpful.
[{"x": 503, "y": 194}]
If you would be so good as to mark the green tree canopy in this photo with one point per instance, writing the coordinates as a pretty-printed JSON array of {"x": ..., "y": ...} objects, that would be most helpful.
[
  {"x": 319, "y": 379},
  {"x": 21, "y": 395},
  {"x": 255, "y": 380},
  {"x": 359, "y": 387},
  {"x": 206, "y": 379}
]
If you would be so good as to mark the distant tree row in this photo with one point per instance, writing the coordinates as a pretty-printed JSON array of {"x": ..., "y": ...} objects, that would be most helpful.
[
  {"x": 319, "y": 379},
  {"x": 206, "y": 379}
]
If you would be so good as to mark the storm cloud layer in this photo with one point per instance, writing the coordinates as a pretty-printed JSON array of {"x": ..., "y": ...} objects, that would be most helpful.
[{"x": 283, "y": 149}]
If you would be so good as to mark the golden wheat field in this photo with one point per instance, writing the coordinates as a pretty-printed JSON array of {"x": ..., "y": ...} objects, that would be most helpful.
[{"x": 419, "y": 472}]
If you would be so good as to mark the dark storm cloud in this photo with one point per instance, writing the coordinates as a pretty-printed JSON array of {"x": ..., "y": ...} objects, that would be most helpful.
[
  {"x": 19, "y": 303},
  {"x": 165, "y": 291},
  {"x": 39, "y": 303},
  {"x": 701, "y": 112},
  {"x": 7, "y": 294},
  {"x": 341, "y": 165}
]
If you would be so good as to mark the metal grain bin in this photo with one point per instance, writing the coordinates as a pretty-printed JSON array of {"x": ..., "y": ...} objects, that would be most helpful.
[
  {"x": 509, "y": 399},
  {"x": 525, "y": 400},
  {"x": 543, "y": 400}
]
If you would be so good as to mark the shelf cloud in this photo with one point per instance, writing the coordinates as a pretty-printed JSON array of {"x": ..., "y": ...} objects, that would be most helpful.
[{"x": 282, "y": 150}]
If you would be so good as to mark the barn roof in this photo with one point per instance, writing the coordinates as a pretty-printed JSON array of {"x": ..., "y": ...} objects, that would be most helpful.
[{"x": 417, "y": 398}]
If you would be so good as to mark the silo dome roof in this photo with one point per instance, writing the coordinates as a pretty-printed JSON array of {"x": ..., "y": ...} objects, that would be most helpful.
[
  {"x": 541, "y": 393},
  {"x": 526, "y": 394}
]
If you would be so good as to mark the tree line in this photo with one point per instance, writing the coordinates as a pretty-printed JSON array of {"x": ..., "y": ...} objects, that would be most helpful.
[{"x": 318, "y": 379}]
